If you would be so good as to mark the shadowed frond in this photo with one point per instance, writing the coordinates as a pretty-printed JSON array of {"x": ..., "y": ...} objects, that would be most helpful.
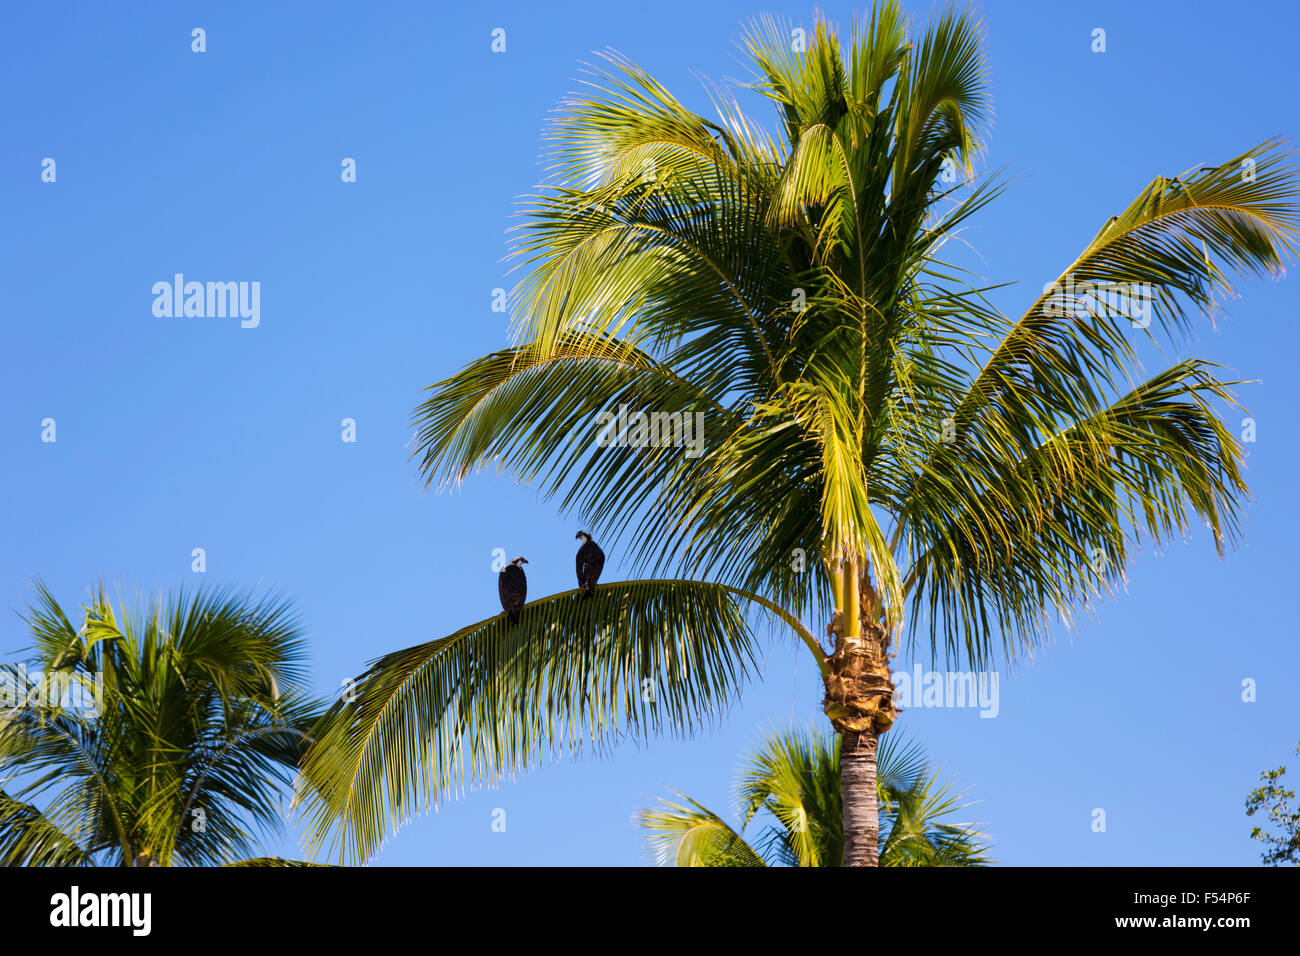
[{"x": 275, "y": 861}]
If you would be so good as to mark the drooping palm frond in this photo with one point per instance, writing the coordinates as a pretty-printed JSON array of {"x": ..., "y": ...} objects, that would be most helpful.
[
  {"x": 63, "y": 760},
  {"x": 28, "y": 838},
  {"x": 997, "y": 548},
  {"x": 637, "y": 657},
  {"x": 1172, "y": 245}
]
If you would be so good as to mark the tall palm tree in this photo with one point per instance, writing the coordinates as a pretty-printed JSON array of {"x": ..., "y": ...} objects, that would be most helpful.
[
  {"x": 794, "y": 778},
  {"x": 884, "y": 450},
  {"x": 158, "y": 738}
]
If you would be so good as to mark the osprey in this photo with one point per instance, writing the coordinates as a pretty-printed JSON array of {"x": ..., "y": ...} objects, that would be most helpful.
[
  {"x": 590, "y": 560},
  {"x": 512, "y": 585}
]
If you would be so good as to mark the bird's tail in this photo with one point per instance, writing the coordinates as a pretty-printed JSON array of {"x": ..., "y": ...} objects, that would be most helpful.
[
  {"x": 587, "y": 592},
  {"x": 513, "y": 617}
]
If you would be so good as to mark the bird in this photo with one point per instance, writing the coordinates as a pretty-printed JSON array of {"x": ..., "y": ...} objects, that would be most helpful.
[
  {"x": 512, "y": 585},
  {"x": 590, "y": 561}
]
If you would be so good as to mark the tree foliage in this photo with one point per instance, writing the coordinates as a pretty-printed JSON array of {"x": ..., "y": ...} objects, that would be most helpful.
[
  {"x": 865, "y": 403},
  {"x": 1275, "y": 801},
  {"x": 158, "y": 735}
]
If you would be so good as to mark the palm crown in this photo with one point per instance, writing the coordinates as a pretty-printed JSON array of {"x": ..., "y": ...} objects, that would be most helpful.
[
  {"x": 792, "y": 781},
  {"x": 884, "y": 448},
  {"x": 198, "y": 720}
]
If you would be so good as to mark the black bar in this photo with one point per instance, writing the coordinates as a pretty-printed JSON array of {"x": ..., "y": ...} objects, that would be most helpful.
[{"x": 911, "y": 906}]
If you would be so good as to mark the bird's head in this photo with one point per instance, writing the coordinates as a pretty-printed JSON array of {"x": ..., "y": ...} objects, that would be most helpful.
[
  {"x": 583, "y": 537},
  {"x": 518, "y": 561}
]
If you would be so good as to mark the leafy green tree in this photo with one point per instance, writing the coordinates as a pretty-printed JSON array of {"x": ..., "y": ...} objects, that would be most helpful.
[
  {"x": 159, "y": 738},
  {"x": 793, "y": 780},
  {"x": 1275, "y": 800},
  {"x": 883, "y": 451}
]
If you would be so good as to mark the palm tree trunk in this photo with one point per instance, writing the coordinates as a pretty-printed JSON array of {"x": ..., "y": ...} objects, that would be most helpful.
[
  {"x": 860, "y": 703},
  {"x": 858, "y": 785}
]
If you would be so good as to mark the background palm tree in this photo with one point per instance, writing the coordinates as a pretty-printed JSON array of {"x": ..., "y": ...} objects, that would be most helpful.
[
  {"x": 884, "y": 450},
  {"x": 200, "y": 720},
  {"x": 794, "y": 777}
]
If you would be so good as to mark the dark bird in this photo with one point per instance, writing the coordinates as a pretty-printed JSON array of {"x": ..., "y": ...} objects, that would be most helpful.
[
  {"x": 512, "y": 585},
  {"x": 590, "y": 561}
]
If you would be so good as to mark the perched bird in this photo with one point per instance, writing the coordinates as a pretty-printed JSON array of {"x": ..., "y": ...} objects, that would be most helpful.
[
  {"x": 512, "y": 585},
  {"x": 590, "y": 561}
]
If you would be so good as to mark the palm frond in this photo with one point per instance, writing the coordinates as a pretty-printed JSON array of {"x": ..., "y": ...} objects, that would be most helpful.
[
  {"x": 29, "y": 838},
  {"x": 274, "y": 861},
  {"x": 636, "y": 658},
  {"x": 998, "y": 549},
  {"x": 691, "y": 834}
]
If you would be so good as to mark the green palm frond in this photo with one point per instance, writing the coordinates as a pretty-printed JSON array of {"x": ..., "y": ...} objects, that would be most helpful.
[
  {"x": 636, "y": 658},
  {"x": 917, "y": 831},
  {"x": 1175, "y": 242},
  {"x": 794, "y": 777},
  {"x": 29, "y": 838},
  {"x": 539, "y": 414},
  {"x": 944, "y": 99},
  {"x": 691, "y": 834},
  {"x": 1000, "y": 548},
  {"x": 900, "y": 763}
]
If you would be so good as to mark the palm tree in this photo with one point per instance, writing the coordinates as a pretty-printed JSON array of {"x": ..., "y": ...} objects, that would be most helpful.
[
  {"x": 795, "y": 778},
  {"x": 157, "y": 738},
  {"x": 884, "y": 450}
]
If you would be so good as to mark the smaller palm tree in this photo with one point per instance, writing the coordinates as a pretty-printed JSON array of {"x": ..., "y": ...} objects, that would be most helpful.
[
  {"x": 168, "y": 741},
  {"x": 795, "y": 778}
]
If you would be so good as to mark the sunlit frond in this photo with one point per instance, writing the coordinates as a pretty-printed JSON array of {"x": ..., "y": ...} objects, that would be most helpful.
[
  {"x": 691, "y": 834},
  {"x": 637, "y": 658}
]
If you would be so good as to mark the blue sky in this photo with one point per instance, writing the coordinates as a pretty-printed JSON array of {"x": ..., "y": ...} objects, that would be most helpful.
[{"x": 174, "y": 434}]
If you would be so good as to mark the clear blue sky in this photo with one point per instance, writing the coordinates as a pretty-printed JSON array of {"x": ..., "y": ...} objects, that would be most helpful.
[{"x": 174, "y": 434}]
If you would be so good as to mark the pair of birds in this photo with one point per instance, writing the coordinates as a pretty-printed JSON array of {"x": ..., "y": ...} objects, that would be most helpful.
[{"x": 512, "y": 583}]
